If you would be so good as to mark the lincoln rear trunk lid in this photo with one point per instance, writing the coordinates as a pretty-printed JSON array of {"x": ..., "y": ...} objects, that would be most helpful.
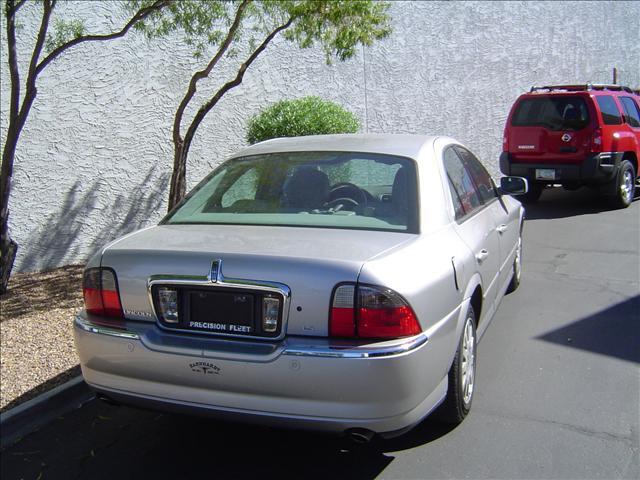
[{"x": 245, "y": 281}]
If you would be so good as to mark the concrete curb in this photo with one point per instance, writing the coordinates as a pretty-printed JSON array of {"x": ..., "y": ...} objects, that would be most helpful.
[{"x": 37, "y": 412}]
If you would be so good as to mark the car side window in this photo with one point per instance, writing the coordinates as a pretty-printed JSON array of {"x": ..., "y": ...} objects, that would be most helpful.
[
  {"x": 482, "y": 178},
  {"x": 609, "y": 109},
  {"x": 632, "y": 115},
  {"x": 457, "y": 200},
  {"x": 463, "y": 192}
]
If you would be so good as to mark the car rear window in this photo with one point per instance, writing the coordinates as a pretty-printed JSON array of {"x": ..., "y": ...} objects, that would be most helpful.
[
  {"x": 609, "y": 109},
  {"x": 554, "y": 113},
  {"x": 313, "y": 189}
]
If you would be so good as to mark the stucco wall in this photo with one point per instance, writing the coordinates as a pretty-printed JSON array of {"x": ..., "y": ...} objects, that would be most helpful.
[{"x": 95, "y": 157}]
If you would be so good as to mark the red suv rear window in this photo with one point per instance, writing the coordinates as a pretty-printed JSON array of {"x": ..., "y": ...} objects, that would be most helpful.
[{"x": 554, "y": 113}]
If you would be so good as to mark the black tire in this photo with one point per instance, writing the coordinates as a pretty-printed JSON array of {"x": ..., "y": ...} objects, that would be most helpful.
[
  {"x": 517, "y": 268},
  {"x": 625, "y": 185},
  {"x": 533, "y": 194},
  {"x": 459, "y": 397}
]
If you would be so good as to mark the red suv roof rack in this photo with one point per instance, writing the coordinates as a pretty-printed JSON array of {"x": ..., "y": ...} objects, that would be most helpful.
[{"x": 585, "y": 87}]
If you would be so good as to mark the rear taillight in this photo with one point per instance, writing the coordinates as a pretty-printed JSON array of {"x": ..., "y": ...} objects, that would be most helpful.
[
  {"x": 101, "y": 295},
  {"x": 505, "y": 142},
  {"x": 366, "y": 311},
  {"x": 596, "y": 141},
  {"x": 342, "y": 322}
]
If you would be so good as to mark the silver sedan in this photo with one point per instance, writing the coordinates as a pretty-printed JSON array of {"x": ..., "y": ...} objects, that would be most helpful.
[{"x": 337, "y": 283}]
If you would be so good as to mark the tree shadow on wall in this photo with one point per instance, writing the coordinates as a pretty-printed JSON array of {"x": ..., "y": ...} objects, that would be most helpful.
[{"x": 59, "y": 240}]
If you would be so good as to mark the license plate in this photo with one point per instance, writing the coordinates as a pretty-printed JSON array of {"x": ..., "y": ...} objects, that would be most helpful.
[
  {"x": 231, "y": 313},
  {"x": 545, "y": 174}
]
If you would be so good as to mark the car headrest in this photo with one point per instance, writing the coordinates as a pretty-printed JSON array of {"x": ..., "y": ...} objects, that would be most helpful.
[
  {"x": 308, "y": 188},
  {"x": 399, "y": 193},
  {"x": 571, "y": 113}
]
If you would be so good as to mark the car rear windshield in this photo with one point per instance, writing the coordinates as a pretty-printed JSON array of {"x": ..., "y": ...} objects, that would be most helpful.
[
  {"x": 553, "y": 113},
  {"x": 310, "y": 189}
]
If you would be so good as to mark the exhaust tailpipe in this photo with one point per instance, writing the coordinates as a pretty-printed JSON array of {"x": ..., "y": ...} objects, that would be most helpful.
[
  {"x": 108, "y": 400},
  {"x": 360, "y": 435}
]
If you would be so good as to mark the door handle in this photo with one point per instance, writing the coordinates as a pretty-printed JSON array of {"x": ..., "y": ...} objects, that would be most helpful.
[
  {"x": 482, "y": 255},
  {"x": 501, "y": 228}
]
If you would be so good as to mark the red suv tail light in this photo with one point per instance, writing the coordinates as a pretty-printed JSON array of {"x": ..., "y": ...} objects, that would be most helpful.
[
  {"x": 596, "y": 141},
  {"x": 101, "y": 295},
  {"x": 367, "y": 311},
  {"x": 505, "y": 142}
]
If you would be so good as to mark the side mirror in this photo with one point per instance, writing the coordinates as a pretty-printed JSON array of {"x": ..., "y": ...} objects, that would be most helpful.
[{"x": 513, "y": 186}]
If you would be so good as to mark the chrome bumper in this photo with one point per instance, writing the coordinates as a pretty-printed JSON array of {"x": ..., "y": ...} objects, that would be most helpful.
[{"x": 295, "y": 346}]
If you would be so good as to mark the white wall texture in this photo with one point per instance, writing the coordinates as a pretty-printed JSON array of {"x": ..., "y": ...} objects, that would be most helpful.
[{"x": 95, "y": 157}]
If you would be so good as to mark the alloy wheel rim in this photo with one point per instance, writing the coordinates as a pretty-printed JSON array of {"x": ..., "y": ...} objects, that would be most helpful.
[
  {"x": 626, "y": 186},
  {"x": 468, "y": 362},
  {"x": 518, "y": 262}
]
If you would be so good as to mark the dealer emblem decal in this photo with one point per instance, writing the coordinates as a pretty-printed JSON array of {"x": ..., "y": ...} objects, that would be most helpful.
[{"x": 205, "y": 368}]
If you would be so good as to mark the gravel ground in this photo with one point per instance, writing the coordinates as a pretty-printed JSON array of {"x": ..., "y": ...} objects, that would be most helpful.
[{"x": 36, "y": 335}]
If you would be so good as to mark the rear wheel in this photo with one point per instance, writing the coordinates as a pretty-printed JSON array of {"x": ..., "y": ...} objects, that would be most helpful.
[
  {"x": 533, "y": 194},
  {"x": 462, "y": 375},
  {"x": 625, "y": 185}
]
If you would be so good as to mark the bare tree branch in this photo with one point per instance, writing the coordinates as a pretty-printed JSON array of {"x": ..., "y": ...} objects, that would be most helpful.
[
  {"x": 30, "y": 94},
  {"x": 14, "y": 103},
  {"x": 18, "y": 5},
  {"x": 206, "y": 108},
  {"x": 140, "y": 15},
  {"x": 206, "y": 71}
]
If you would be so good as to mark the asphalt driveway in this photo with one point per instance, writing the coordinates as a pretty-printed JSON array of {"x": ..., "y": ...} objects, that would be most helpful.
[{"x": 557, "y": 395}]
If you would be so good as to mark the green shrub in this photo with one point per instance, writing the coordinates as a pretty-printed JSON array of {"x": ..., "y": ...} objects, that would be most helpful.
[{"x": 300, "y": 117}]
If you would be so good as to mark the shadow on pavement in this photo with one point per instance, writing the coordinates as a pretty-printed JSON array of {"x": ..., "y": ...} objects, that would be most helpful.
[
  {"x": 614, "y": 332},
  {"x": 103, "y": 441},
  {"x": 557, "y": 202}
]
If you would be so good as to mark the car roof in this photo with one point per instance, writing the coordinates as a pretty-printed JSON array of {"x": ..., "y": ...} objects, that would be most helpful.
[{"x": 390, "y": 144}]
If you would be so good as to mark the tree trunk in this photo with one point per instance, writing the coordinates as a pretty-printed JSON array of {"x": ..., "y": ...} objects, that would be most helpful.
[
  {"x": 179, "y": 175},
  {"x": 8, "y": 247}
]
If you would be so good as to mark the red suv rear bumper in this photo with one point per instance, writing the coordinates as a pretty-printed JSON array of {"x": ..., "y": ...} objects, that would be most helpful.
[{"x": 596, "y": 169}]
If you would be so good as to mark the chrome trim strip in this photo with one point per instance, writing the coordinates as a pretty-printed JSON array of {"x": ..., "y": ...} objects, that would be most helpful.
[
  {"x": 220, "y": 281},
  {"x": 306, "y": 351},
  {"x": 373, "y": 352},
  {"x": 87, "y": 326}
]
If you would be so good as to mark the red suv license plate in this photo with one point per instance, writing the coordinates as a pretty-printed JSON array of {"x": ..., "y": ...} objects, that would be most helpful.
[{"x": 545, "y": 174}]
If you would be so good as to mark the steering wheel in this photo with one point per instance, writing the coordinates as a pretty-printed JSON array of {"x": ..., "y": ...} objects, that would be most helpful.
[
  {"x": 341, "y": 202},
  {"x": 345, "y": 191}
]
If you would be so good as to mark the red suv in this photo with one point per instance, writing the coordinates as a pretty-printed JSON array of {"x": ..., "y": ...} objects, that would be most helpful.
[{"x": 575, "y": 135}]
